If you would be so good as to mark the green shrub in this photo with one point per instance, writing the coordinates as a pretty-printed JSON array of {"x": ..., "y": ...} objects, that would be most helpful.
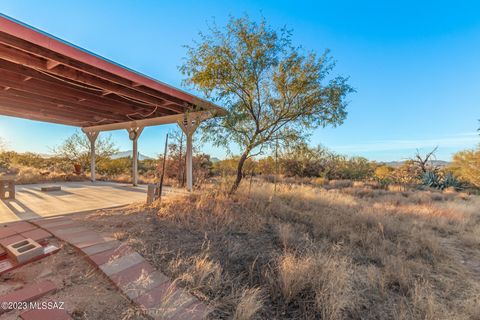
[
  {"x": 466, "y": 166},
  {"x": 113, "y": 167}
]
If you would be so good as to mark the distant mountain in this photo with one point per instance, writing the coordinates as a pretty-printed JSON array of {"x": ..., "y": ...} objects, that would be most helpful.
[
  {"x": 437, "y": 163},
  {"x": 128, "y": 154},
  {"x": 46, "y": 155},
  {"x": 213, "y": 159}
]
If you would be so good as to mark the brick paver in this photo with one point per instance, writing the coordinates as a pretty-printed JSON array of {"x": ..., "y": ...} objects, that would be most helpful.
[
  {"x": 94, "y": 249},
  {"x": 140, "y": 270},
  {"x": 61, "y": 225},
  {"x": 6, "y": 231},
  {"x": 110, "y": 255},
  {"x": 144, "y": 283},
  {"x": 135, "y": 277},
  {"x": 29, "y": 293},
  {"x": 81, "y": 237},
  {"x": 9, "y": 240},
  {"x": 21, "y": 226},
  {"x": 62, "y": 231},
  {"x": 37, "y": 235},
  {"x": 121, "y": 263},
  {"x": 91, "y": 242}
]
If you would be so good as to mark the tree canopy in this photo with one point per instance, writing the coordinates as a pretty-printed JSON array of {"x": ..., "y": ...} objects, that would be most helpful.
[
  {"x": 273, "y": 91},
  {"x": 466, "y": 165},
  {"x": 76, "y": 148}
]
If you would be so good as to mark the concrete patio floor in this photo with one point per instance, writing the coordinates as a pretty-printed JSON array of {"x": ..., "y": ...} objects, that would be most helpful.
[{"x": 32, "y": 203}]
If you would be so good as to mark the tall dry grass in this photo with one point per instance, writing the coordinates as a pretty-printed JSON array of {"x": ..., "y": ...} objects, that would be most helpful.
[{"x": 306, "y": 252}]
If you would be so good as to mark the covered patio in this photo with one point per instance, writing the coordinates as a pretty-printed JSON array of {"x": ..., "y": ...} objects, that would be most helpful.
[
  {"x": 32, "y": 203},
  {"x": 44, "y": 78}
]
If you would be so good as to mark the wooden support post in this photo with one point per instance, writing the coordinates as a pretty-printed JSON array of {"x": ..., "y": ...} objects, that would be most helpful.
[
  {"x": 151, "y": 193},
  {"x": 92, "y": 137},
  {"x": 134, "y": 134},
  {"x": 189, "y": 125},
  {"x": 189, "y": 159}
]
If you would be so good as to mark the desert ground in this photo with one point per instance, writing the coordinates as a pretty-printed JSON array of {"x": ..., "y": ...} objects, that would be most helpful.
[{"x": 312, "y": 252}]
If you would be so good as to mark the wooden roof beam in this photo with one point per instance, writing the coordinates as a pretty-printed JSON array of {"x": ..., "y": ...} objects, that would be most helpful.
[
  {"x": 12, "y": 74},
  {"x": 167, "y": 92},
  {"x": 14, "y": 112},
  {"x": 79, "y": 75},
  {"x": 29, "y": 111},
  {"x": 53, "y": 108},
  {"x": 148, "y": 122},
  {"x": 77, "y": 107},
  {"x": 52, "y": 64}
]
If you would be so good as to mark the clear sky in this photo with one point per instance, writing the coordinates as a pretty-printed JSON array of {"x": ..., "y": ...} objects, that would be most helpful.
[{"x": 415, "y": 64}]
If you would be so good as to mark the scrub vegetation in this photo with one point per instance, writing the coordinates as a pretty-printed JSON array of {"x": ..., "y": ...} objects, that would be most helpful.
[{"x": 310, "y": 252}]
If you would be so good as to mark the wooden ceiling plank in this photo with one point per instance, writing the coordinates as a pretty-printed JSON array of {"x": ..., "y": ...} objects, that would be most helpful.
[
  {"x": 32, "y": 61},
  {"x": 28, "y": 112},
  {"x": 13, "y": 113},
  {"x": 55, "y": 92},
  {"x": 50, "y": 87},
  {"x": 26, "y": 46},
  {"x": 64, "y": 110},
  {"x": 53, "y": 101}
]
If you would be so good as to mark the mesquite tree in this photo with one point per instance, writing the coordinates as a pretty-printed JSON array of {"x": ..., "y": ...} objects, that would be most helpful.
[
  {"x": 76, "y": 148},
  {"x": 273, "y": 91}
]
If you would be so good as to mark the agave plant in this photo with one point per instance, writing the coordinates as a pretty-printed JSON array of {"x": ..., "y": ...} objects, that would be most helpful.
[
  {"x": 450, "y": 181},
  {"x": 432, "y": 179}
]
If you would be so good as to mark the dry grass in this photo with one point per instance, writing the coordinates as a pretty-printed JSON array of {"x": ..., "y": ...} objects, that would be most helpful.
[
  {"x": 308, "y": 252},
  {"x": 250, "y": 302}
]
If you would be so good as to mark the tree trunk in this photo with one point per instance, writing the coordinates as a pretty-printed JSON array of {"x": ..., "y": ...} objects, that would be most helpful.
[{"x": 236, "y": 184}]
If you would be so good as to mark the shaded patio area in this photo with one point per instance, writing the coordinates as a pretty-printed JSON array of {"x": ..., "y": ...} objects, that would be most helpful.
[{"x": 32, "y": 203}]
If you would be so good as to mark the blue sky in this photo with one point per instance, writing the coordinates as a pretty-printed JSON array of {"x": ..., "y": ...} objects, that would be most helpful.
[{"x": 415, "y": 64}]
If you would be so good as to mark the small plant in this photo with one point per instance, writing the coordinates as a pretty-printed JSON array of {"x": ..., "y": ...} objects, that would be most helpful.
[
  {"x": 434, "y": 179},
  {"x": 450, "y": 181}
]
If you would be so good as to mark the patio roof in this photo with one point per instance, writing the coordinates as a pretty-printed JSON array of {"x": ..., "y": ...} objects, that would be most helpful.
[{"x": 47, "y": 79}]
